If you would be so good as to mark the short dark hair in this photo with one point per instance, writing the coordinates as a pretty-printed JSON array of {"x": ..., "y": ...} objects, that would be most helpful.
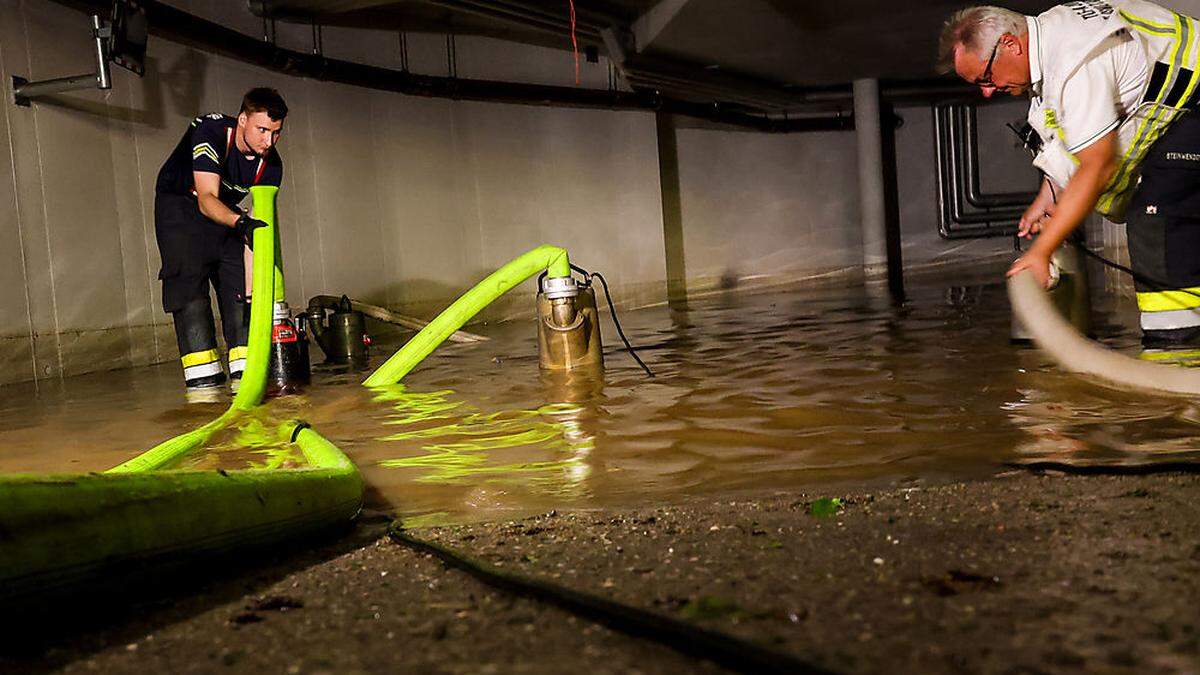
[{"x": 264, "y": 99}]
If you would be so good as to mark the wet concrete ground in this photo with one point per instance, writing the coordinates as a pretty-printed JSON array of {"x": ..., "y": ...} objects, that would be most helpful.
[{"x": 1020, "y": 574}]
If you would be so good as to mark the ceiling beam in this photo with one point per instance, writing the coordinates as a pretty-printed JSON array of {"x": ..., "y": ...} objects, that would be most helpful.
[{"x": 648, "y": 26}]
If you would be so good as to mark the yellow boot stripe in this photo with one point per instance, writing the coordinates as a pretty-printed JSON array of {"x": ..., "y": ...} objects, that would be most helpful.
[
  {"x": 1181, "y": 355},
  {"x": 1166, "y": 301},
  {"x": 200, "y": 358},
  {"x": 238, "y": 353}
]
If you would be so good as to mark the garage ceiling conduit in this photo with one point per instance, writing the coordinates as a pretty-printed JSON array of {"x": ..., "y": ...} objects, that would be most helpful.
[
  {"x": 615, "y": 33},
  {"x": 587, "y": 27},
  {"x": 179, "y": 26}
]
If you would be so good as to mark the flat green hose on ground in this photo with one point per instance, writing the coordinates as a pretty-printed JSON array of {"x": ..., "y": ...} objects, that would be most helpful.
[
  {"x": 551, "y": 259},
  {"x": 59, "y": 530}
]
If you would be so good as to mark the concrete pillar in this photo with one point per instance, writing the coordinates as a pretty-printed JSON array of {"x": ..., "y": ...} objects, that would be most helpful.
[
  {"x": 672, "y": 209},
  {"x": 878, "y": 191},
  {"x": 870, "y": 175}
]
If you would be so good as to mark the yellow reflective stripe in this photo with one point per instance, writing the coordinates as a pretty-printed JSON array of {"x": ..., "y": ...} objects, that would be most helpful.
[
  {"x": 199, "y": 358},
  {"x": 1149, "y": 129},
  {"x": 1166, "y": 301},
  {"x": 1190, "y": 60},
  {"x": 238, "y": 353},
  {"x": 1146, "y": 25},
  {"x": 1188, "y": 355}
]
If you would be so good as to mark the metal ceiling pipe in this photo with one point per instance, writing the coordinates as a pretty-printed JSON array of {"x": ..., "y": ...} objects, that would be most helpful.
[
  {"x": 654, "y": 81},
  {"x": 761, "y": 98},
  {"x": 763, "y": 90},
  {"x": 515, "y": 16},
  {"x": 176, "y": 25},
  {"x": 716, "y": 113},
  {"x": 585, "y": 18},
  {"x": 894, "y": 92}
]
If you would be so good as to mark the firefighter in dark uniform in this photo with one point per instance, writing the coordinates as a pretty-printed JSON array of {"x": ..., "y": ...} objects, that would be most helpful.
[{"x": 203, "y": 235}]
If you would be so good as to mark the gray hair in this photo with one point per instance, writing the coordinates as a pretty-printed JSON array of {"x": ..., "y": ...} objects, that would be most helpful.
[{"x": 977, "y": 29}]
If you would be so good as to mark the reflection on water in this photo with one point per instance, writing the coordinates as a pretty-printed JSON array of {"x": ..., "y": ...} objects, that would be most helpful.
[
  {"x": 763, "y": 392},
  {"x": 251, "y": 442}
]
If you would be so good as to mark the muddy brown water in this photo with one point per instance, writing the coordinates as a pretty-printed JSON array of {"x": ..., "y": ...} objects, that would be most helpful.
[{"x": 761, "y": 392}]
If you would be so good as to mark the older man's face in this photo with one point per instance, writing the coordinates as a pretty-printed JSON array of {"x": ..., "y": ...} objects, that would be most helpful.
[{"x": 1005, "y": 68}]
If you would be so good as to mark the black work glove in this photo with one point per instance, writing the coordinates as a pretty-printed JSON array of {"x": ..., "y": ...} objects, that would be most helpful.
[{"x": 246, "y": 226}]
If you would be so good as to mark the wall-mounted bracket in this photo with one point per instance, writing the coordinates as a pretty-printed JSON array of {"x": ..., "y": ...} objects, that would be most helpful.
[{"x": 24, "y": 90}]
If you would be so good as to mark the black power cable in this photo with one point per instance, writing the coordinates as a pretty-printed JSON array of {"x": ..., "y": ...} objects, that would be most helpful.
[
  {"x": 1174, "y": 466},
  {"x": 1137, "y": 276},
  {"x": 726, "y": 650},
  {"x": 612, "y": 310}
]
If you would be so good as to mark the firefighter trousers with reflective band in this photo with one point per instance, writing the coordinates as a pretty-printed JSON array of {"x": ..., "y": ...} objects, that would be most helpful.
[
  {"x": 197, "y": 253},
  {"x": 1163, "y": 230}
]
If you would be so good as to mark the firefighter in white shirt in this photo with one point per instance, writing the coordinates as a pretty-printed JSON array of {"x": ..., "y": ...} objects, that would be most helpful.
[{"x": 1111, "y": 86}]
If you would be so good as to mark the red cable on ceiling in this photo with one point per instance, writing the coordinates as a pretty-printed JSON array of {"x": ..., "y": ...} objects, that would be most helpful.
[{"x": 574, "y": 41}]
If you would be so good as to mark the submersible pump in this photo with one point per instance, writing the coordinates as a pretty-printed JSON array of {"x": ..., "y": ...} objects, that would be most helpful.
[
  {"x": 288, "y": 371},
  {"x": 568, "y": 325},
  {"x": 342, "y": 336}
]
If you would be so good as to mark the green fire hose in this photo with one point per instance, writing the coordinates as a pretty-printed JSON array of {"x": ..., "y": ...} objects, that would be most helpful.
[
  {"x": 57, "y": 531},
  {"x": 60, "y": 530},
  {"x": 267, "y": 282},
  {"x": 550, "y": 259}
]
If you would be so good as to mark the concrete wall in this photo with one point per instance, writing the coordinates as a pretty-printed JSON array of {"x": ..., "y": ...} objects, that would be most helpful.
[
  {"x": 401, "y": 201},
  {"x": 788, "y": 204},
  {"x": 754, "y": 204},
  {"x": 1004, "y": 167}
]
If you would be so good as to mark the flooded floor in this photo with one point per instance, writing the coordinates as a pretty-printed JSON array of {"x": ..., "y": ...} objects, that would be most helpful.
[{"x": 760, "y": 392}]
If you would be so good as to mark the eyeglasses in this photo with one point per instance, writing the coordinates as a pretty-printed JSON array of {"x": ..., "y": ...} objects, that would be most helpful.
[{"x": 985, "y": 80}]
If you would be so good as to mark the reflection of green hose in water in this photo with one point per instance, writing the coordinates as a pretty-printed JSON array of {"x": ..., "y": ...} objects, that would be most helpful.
[
  {"x": 551, "y": 259},
  {"x": 268, "y": 284},
  {"x": 59, "y": 530}
]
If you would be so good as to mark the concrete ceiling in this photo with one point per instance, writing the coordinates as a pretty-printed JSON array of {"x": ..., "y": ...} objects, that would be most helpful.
[
  {"x": 814, "y": 43},
  {"x": 713, "y": 44}
]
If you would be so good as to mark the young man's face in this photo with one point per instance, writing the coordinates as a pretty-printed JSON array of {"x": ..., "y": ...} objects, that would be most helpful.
[{"x": 258, "y": 131}]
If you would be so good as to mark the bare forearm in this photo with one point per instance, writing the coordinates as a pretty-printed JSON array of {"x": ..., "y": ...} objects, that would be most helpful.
[
  {"x": 216, "y": 211},
  {"x": 1074, "y": 205}
]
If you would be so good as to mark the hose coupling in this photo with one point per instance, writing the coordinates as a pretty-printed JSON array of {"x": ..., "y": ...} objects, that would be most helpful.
[{"x": 560, "y": 287}]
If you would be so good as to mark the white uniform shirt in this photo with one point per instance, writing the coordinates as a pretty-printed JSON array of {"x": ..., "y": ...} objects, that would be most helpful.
[{"x": 1105, "y": 90}]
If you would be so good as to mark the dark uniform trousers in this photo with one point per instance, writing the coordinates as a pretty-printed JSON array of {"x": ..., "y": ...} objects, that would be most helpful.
[
  {"x": 1163, "y": 230},
  {"x": 197, "y": 252}
]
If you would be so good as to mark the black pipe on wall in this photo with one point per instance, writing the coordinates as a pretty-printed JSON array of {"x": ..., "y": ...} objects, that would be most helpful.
[
  {"x": 975, "y": 196},
  {"x": 179, "y": 26},
  {"x": 963, "y": 210}
]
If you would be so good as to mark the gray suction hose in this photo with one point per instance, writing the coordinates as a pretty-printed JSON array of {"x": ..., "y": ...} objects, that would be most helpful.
[
  {"x": 1078, "y": 354},
  {"x": 388, "y": 316}
]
